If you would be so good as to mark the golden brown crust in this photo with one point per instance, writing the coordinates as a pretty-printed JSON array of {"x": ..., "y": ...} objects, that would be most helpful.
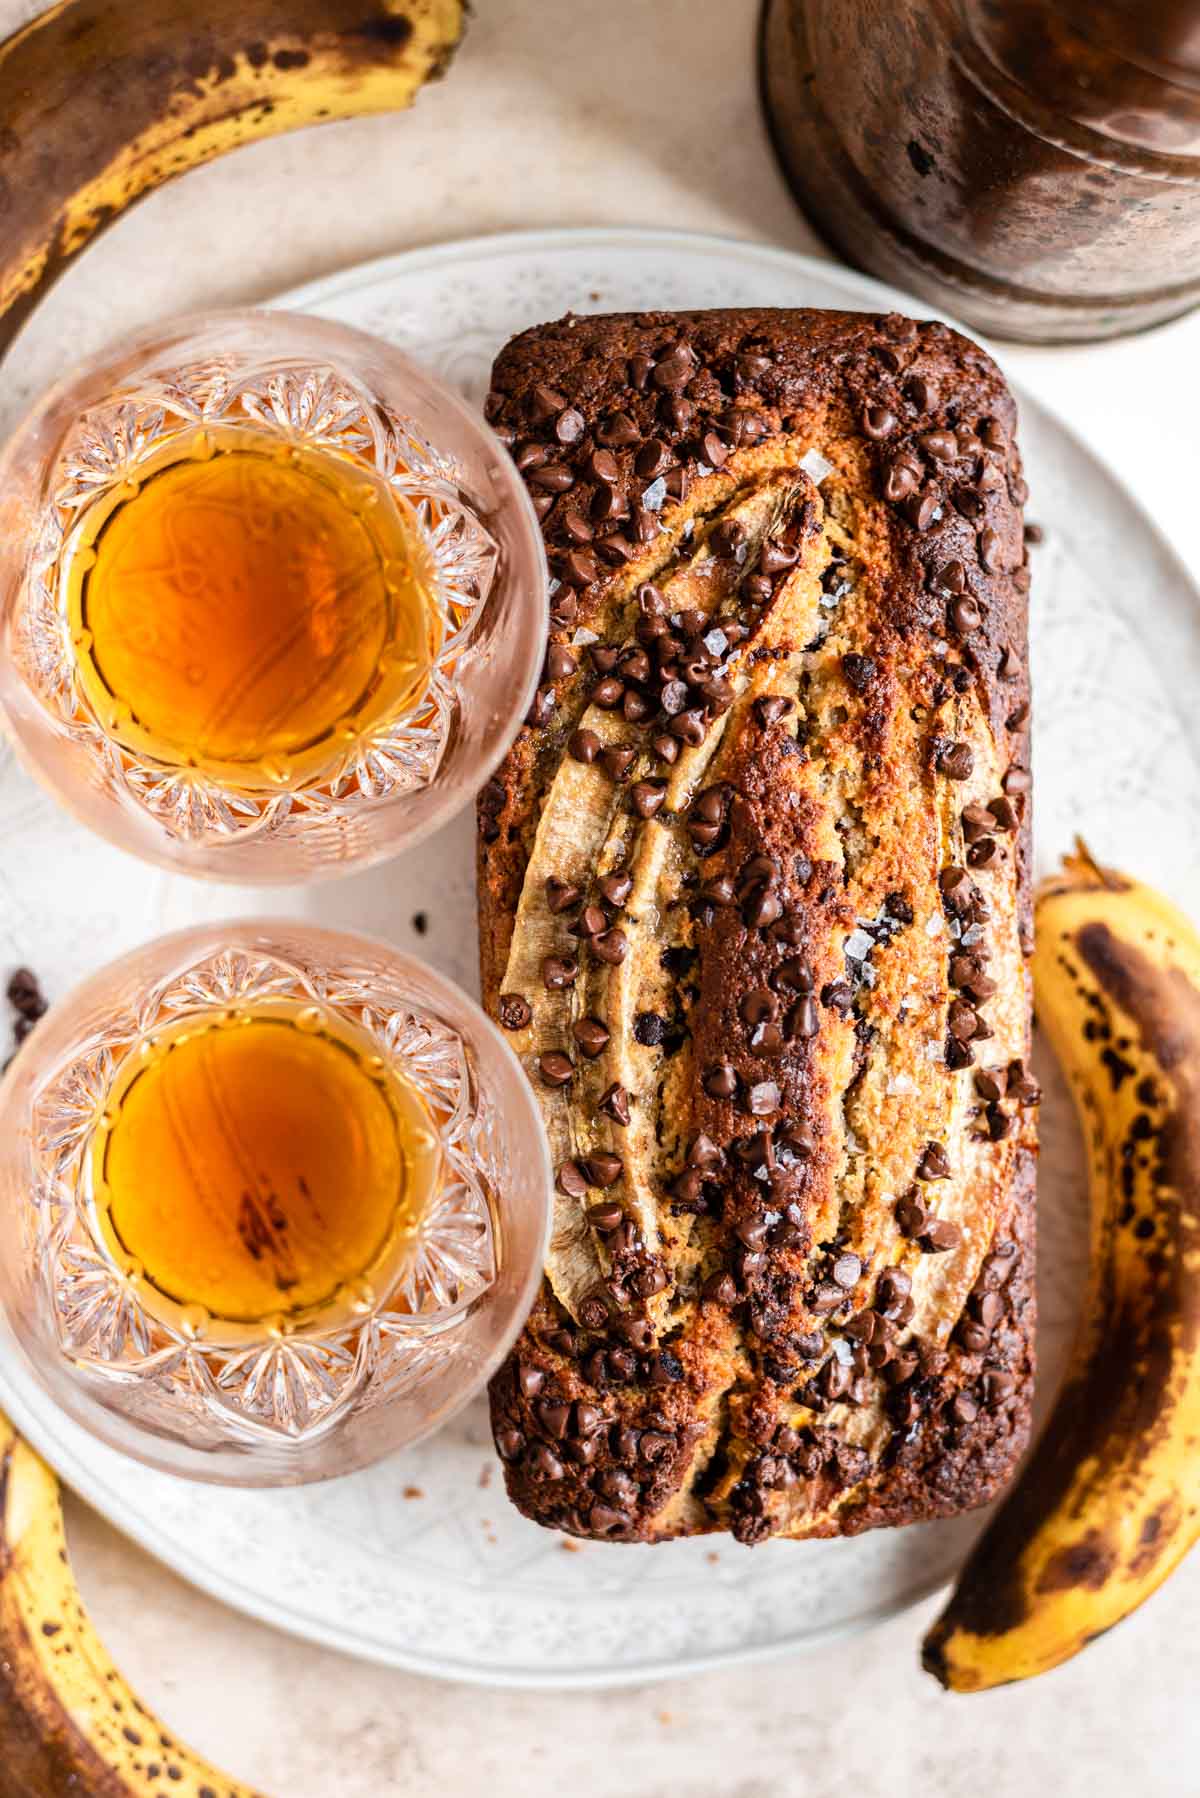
[{"x": 766, "y": 975}]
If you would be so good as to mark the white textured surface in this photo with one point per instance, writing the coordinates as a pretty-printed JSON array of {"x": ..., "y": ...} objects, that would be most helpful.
[{"x": 569, "y": 128}]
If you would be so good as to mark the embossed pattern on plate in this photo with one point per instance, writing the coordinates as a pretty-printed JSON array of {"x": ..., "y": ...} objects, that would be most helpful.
[{"x": 421, "y": 1562}]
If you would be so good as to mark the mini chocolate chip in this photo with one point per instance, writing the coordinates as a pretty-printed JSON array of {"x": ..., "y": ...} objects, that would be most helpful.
[
  {"x": 652, "y": 458},
  {"x": 759, "y": 1003},
  {"x": 614, "y": 1102},
  {"x": 940, "y": 1235},
  {"x": 675, "y": 370},
  {"x": 647, "y": 797},
  {"x": 934, "y": 1163},
  {"x": 542, "y": 709},
  {"x": 963, "y": 1022},
  {"x": 603, "y": 1168},
  {"x": 514, "y": 1011},
  {"x": 998, "y": 1385},
  {"x": 965, "y": 615},
  {"x": 530, "y": 1380},
  {"x": 1017, "y": 780},
  {"x": 878, "y": 421},
  {"x": 964, "y": 1408},
  {"x": 720, "y": 1289},
  {"x": 762, "y": 1099},
  {"x": 544, "y": 1464},
  {"x": 591, "y": 1035},
  {"x": 570, "y": 1180},
  {"x": 591, "y": 921},
  {"x": 846, "y": 1270},
  {"x": 602, "y": 465},
  {"x": 617, "y": 760},
  {"x": 1003, "y": 813},
  {"x": 605, "y": 1216},
  {"x": 555, "y": 477},
  {"x": 769, "y": 708},
  {"x": 560, "y": 661},
  {"x": 956, "y": 761},
  {"x": 989, "y": 550},
  {"x": 553, "y": 1415},
  {"x": 559, "y": 971},
  {"x": 981, "y": 854},
  {"x": 580, "y": 568},
  {"x": 939, "y": 446},
  {"x": 509, "y": 1443},
  {"x": 720, "y": 1082},
  {"x": 990, "y": 1083},
  {"x": 616, "y": 887},
  {"x": 608, "y": 693},
  {"x": 569, "y": 425},
  {"x": 561, "y": 895},
  {"x": 921, "y": 509},
  {"x": 973, "y": 1337},
  {"x": 804, "y": 1020},
  {"x": 775, "y": 557},
  {"x": 859, "y": 670},
  {"x": 555, "y": 1068},
  {"x": 611, "y": 947},
  {"x": 584, "y": 745},
  {"x": 837, "y": 996},
  {"x": 900, "y": 479}
]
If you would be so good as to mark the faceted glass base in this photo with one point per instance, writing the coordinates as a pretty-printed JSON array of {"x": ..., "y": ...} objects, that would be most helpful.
[{"x": 271, "y": 1398}]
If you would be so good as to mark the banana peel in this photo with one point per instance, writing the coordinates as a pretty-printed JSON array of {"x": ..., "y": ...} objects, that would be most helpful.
[
  {"x": 101, "y": 101},
  {"x": 1110, "y": 1501}
]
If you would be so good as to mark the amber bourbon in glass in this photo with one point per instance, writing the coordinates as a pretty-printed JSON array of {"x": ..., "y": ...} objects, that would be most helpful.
[
  {"x": 273, "y": 601},
  {"x": 273, "y": 1200}
]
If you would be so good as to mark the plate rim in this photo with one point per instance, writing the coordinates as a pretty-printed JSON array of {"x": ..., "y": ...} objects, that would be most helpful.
[{"x": 39, "y": 1427}]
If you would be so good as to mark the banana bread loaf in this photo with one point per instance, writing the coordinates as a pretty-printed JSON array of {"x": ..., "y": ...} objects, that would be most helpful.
[{"x": 755, "y": 911}]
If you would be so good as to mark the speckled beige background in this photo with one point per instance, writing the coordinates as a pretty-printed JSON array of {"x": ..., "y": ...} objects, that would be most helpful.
[{"x": 593, "y": 112}]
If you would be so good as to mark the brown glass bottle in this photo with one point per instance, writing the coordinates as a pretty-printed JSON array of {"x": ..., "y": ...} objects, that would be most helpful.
[{"x": 1031, "y": 165}]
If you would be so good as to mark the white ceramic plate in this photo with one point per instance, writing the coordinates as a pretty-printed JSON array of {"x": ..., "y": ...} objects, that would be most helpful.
[{"x": 420, "y": 1562}]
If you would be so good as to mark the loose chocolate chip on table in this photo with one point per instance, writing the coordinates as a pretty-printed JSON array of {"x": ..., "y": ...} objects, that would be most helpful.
[
  {"x": 514, "y": 1011},
  {"x": 555, "y": 1068}
]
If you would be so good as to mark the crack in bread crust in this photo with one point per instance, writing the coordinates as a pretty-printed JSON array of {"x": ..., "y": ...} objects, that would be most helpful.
[{"x": 755, "y": 908}]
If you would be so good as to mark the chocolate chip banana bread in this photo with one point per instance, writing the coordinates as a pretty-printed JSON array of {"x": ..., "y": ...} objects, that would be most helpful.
[{"x": 755, "y": 910}]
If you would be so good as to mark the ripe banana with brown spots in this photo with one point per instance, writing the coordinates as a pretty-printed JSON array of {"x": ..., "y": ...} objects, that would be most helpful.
[
  {"x": 102, "y": 101},
  {"x": 68, "y": 1721},
  {"x": 1110, "y": 1501}
]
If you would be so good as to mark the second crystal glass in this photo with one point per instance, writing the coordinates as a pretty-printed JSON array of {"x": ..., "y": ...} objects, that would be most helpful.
[{"x": 273, "y": 601}]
